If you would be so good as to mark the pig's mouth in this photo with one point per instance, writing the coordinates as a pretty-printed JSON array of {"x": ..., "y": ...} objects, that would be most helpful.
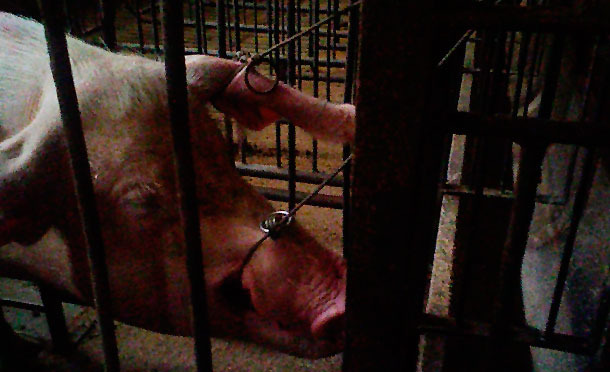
[{"x": 295, "y": 338}]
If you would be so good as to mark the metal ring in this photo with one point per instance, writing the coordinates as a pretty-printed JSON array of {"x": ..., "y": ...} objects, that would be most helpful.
[
  {"x": 272, "y": 222},
  {"x": 256, "y": 60}
]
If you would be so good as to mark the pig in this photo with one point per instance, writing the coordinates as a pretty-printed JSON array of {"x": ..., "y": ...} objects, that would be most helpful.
[{"x": 290, "y": 294}]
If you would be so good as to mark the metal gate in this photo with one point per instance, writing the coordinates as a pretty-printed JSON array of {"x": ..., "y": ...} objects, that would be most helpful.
[{"x": 429, "y": 73}]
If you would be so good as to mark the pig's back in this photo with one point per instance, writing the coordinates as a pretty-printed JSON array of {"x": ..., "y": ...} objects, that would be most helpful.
[{"x": 24, "y": 70}]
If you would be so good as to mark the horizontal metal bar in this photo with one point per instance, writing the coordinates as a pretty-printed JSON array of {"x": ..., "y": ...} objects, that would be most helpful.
[
  {"x": 519, "y": 129},
  {"x": 20, "y": 304},
  {"x": 336, "y": 63},
  {"x": 528, "y": 335},
  {"x": 272, "y": 172},
  {"x": 533, "y": 18},
  {"x": 320, "y": 200}
]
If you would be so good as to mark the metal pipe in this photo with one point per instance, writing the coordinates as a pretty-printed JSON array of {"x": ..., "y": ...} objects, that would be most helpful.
[
  {"x": 68, "y": 104},
  {"x": 175, "y": 72},
  {"x": 291, "y": 16},
  {"x": 108, "y": 23},
  {"x": 271, "y": 172}
]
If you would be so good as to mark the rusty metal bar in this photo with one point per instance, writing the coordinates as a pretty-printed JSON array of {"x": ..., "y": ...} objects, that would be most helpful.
[
  {"x": 393, "y": 204},
  {"x": 68, "y": 104},
  {"x": 175, "y": 72}
]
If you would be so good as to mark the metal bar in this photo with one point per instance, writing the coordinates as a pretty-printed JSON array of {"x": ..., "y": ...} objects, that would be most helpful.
[
  {"x": 228, "y": 25},
  {"x": 519, "y": 334},
  {"x": 139, "y": 23},
  {"x": 276, "y": 40},
  {"x": 292, "y": 185},
  {"x": 529, "y": 175},
  {"x": 155, "y": 25},
  {"x": 304, "y": 61},
  {"x": 175, "y": 72},
  {"x": 580, "y": 202},
  {"x": 56, "y": 319},
  {"x": 515, "y": 17},
  {"x": 320, "y": 200},
  {"x": 198, "y": 26},
  {"x": 254, "y": 5},
  {"x": 348, "y": 93},
  {"x": 255, "y": 29},
  {"x": 271, "y": 172},
  {"x": 530, "y": 129},
  {"x": 204, "y": 29},
  {"x": 20, "y": 304},
  {"x": 108, "y": 23},
  {"x": 328, "y": 54},
  {"x": 68, "y": 104},
  {"x": 386, "y": 278},
  {"x": 315, "y": 70}
]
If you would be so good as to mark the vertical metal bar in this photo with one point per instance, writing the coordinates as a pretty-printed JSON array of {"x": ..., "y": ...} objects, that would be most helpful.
[
  {"x": 255, "y": 28},
  {"x": 198, "y": 26},
  {"x": 56, "y": 319},
  {"x": 328, "y": 52},
  {"x": 580, "y": 202},
  {"x": 529, "y": 176},
  {"x": 68, "y": 104},
  {"x": 229, "y": 33},
  {"x": 139, "y": 22},
  {"x": 336, "y": 25},
  {"x": 315, "y": 69},
  {"x": 203, "y": 27},
  {"x": 387, "y": 276},
  {"x": 236, "y": 23},
  {"x": 350, "y": 71},
  {"x": 291, "y": 129},
  {"x": 221, "y": 22},
  {"x": 155, "y": 25},
  {"x": 108, "y": 23},
  {"x": 299, "y": 48},
  {"x": 276, "y": 40},
  {"x": 175, "y": 70}
]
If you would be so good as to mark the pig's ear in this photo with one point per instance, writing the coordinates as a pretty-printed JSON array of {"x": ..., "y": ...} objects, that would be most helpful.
[
  {"x": 222, "y": 82},
  {"x": 33, "y": 167}
]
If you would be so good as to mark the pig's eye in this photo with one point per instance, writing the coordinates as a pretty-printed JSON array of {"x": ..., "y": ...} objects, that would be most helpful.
[{"x": 142, "y": 199}]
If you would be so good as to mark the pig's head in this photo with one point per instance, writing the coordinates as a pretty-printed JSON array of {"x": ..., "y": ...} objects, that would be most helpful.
[{"x": 290, "y": 294}]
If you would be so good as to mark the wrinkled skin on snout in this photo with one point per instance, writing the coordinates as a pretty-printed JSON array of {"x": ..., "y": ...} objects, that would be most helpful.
[{"x": 291, "y": 294}]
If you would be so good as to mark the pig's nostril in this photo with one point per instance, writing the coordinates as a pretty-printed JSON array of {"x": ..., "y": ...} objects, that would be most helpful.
[
  {"x": 330, "y": 325},
  {"x": 236, "y": 294}
]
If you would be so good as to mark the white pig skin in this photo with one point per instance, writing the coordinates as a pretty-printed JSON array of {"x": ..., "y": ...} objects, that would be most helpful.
[{"x": 291, "y": 295}]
